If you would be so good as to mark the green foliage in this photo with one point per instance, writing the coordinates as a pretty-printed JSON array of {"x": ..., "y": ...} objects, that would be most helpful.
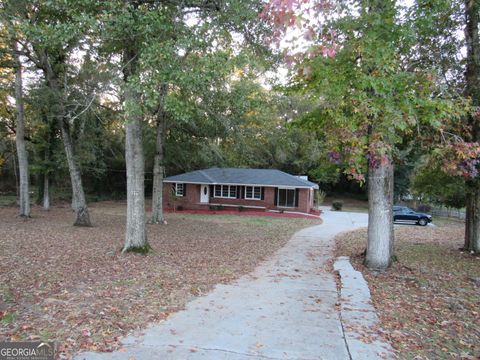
[
  {"x": 319, "y": 197},
  {"x": 433, "y": 185},
  {"x": 325, "y": 172},
  {"x": 436, "y": 26},
  {"x": 369, "y": 97},
  {"x": 337, "y": 205},
  {"x": 204, "y": 68},
  {"x": 407, "y": 157},
  {"x": 211, "y": 58},
  {"x": 261, "y": 135}
]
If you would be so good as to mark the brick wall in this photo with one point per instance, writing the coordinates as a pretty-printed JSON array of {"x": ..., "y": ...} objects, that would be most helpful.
[
  {"x": 267, "y": 201},
  {"x": 305, "y": 200},
  {"x": 191, "y": 199}
]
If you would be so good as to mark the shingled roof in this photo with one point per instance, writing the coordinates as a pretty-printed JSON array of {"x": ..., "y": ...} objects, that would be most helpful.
[{"x": 240, "y": 176}]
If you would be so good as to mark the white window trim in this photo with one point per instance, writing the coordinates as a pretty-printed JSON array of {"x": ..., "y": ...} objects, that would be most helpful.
[
  {"x": 278, "y": 198},
  {"x": 253, "y": 193},
  {"x": 176, "y": 190},
  {"x": 221, "y": 191}
]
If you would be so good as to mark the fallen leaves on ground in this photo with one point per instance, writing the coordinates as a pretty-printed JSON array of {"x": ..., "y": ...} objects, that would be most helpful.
[
  {"x": 428, "y": 301},
  {"x": 71, "y": 284}
]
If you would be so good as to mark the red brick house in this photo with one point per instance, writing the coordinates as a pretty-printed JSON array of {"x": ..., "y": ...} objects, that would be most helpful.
[{"x": 267, "y": 189}]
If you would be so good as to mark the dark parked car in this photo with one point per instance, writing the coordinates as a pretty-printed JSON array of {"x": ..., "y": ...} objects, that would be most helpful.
[{"x": 403, "y": 213}]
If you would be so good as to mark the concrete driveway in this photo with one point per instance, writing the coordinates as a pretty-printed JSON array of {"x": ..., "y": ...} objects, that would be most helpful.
[{"x": 288, "y": 308}]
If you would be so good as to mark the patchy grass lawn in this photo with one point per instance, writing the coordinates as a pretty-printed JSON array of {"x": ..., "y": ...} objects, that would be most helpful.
[
  {"x": 72, "y": 285},
  {"x": 428, "y": 301}
]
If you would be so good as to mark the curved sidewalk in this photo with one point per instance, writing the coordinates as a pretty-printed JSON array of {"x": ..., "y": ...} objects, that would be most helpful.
[{"x": 288, "y": 308}]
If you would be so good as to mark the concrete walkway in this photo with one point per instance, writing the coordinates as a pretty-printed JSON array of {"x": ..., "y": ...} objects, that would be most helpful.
[{"x": 288, "y": 308}]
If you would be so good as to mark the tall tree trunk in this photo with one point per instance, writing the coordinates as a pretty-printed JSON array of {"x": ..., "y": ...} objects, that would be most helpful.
[
  {"x": 472, "y": 220},
  {"x": 20, "y": 138},
  {"x": 472, "y": 77},
  {"x": 75, "y": 201},
  {"x": 135, "y": 236},
  {"x": 475, "y": 238},
  {"x": 81, "y": 211},
  {"x": 468, "y": 222},
  {"x": 46, "y": 173},
  {"x": 46, "y": 192},
  {"x": 158, "y": 166},
  {"x": 380, "y": 216},
  {"x": 79, "y": 203},
  {"x": 43, "y": 179}
]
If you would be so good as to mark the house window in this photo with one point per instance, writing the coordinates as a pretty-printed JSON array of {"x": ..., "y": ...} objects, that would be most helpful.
[
  {"x": 179, "y": 189},
  {"x": 225, "y": 191},
  {"x": 253, "y": 192},
  {"x": 286, "y": 198}
]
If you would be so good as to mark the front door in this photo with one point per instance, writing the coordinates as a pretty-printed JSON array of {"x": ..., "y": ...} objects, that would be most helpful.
[{"x": 204, "y": 194}]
